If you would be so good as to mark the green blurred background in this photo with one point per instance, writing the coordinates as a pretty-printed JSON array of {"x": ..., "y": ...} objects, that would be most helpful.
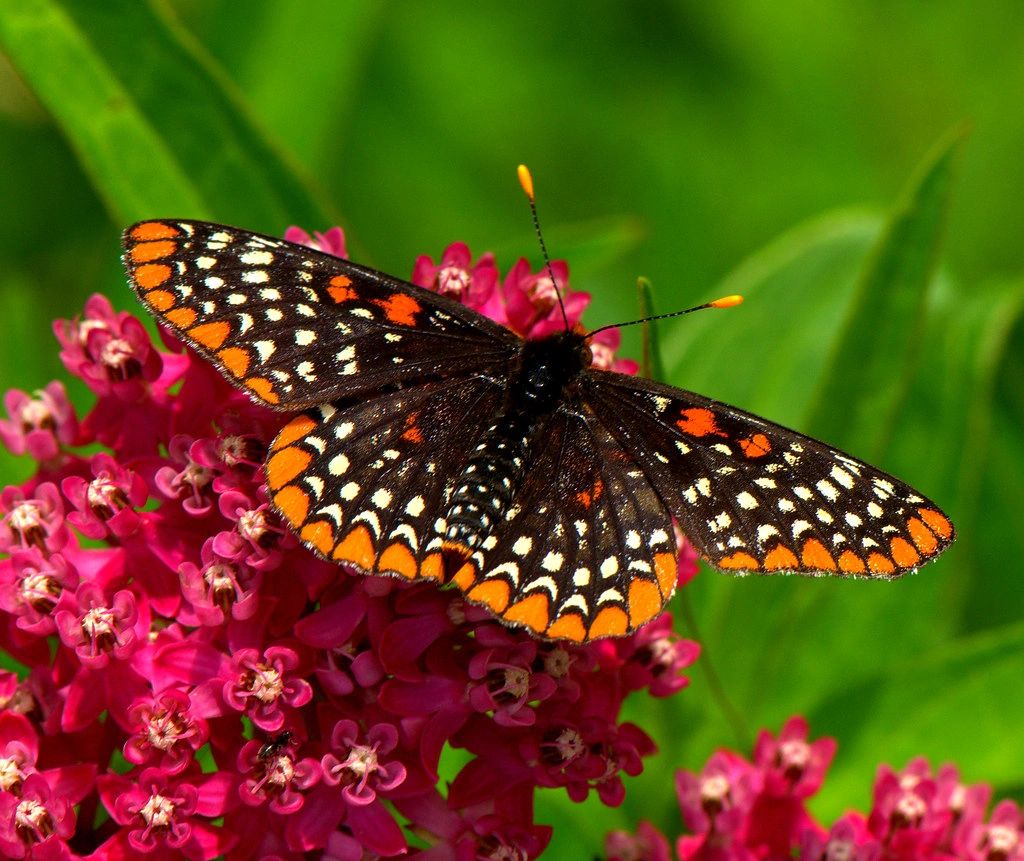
[{"x": 812, "y": 155}]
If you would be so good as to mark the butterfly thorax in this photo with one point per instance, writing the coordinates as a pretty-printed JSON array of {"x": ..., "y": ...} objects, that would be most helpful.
[{"x": 544, "y": 376}]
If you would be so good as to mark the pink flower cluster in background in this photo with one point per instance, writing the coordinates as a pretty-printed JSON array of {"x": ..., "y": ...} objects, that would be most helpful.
[
  {"x": 736, "y": 810},
  {"x": 191, "y": 682}
]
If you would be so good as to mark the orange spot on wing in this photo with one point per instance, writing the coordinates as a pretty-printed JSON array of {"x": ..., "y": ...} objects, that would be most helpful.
[
  {"x": 756, "y": 446},
  {"x": 293, "y": 503},
  {"x": 339, "y": 290},
  {"x": 319, "y": 534},
  {"x": 357, "y": 548},
  {"x": 432, "y": 567},
  {"x": 666, "y": 569},
  {"x": 154, "y": 230},
  {"x": 144, "y": 252},
  {"x": 399, "y": 308},
  {"x": 398, "y": 558},
  {"x": 160, "y": 299},
  {"x": 644, "y": 602},
  {"x": 235, "y": 359},
  {"x": 738, "y": 561},
  {"x": 610, "y": 622},
  {"x": 781, "y": 558},
  {"x": 879, "y": 564},
  {"x": 851, "y": 563},
  {"x": 534, "y": 612},
  {"x": 211, "y": 335},
  {"x": 922, "y": 536},
  {"x": 151, "y": 275},
  {"x": 263, "y": 388},
  {"x": 297, "y": 428},
  {"x": 412, "y": 430},
  {"x": 493, "y": 593},
  {"x": 465, "y": 577},
  {"x": 903, "y": 553},
  {"x": 568, "y": 626},
  {"x": 586, "y": 498},
  {"x": 285, "y": 464},
  {"x": 815, "y": 557},
  {"x": 698, "y": 421},
  {"x": 180, "y": 317},
  {"x": 936, "y": 521}
]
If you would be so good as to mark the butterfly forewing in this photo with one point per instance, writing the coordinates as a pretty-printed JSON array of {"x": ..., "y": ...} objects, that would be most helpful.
[
  {"x": 753, "y": 496},
  {"x": 295, "y": 327}
]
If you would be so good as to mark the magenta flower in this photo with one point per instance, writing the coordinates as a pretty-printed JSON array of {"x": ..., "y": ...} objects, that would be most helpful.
[
  {"x": 39, "y": 426},
  {"x": 531, "y": 299},
  {"x": 167, "y": 734},
  {"x": 331, "y": 242},
  {"x": 167, "y": 816},
  {"x": 459, "y": 278},
  {"x": 263, "y": 686}
]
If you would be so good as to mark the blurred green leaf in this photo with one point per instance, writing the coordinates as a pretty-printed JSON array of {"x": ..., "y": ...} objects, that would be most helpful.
[
  {"x": 871, "y": 367},
  {"x": 651, "y": 364},
  {"x": 965, "y": 698},
  {"x": 158, "y": 129}
]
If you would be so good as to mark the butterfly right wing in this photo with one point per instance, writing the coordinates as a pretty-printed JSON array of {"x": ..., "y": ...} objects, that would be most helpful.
[
  {"x": 754, "y": 496},
  {"x": 294, "y": 327}
]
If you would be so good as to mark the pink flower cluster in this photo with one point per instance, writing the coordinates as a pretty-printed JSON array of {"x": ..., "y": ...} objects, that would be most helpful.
[
  {"x": 195, "y": 684},
  {"x": 751, "y": 811}
]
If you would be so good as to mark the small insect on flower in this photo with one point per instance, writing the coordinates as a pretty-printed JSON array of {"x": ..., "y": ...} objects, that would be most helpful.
[
  {"x": 275, "y": 746},
  {"x": 433, "y": 443}
]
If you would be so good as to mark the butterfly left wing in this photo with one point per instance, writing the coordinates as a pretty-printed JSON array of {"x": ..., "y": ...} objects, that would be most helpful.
[
  {"x": 587, "y": 550},
  {"x": 753, "y": 496},
  {"x": 293, "y": 327}
]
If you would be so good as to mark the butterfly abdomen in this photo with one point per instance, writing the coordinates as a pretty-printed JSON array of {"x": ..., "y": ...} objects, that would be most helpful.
[{"x": 485, "y": 489}]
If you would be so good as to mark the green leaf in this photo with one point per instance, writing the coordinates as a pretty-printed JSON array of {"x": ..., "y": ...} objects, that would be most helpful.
[
  {"x": 872, "y": 364},
  {"x": 157, "y": 128},
  {"x": 651, "y": 364}
]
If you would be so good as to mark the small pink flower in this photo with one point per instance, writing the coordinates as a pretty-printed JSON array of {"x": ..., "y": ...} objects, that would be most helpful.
[
  {"x": 107, "y": 501},
  {"x": 221, "y": 589},
  {"x": 531, "y": 299},
  {"x": 99, "y": 629},
  {"x": 503, "y": 679},
  {"x": 32, "y": 521},
  {"x": 272, "y": 774},
  {"x": 263, "y": 687},
  {"x": 36, "y": 822},
  {"x": 332, "y": 242},
  {"x": 108, "y": 349},
  {"x": 187, "y": 479},
  {"x": 648, "y": 844},
  {"x": 167, "y": 734},
  {"x": 160, "y": 813},
  {"x": 362, "y": 772},
  {"x": 603, "y": 346},
  {"x": 791, "y": 764},
  {"x": 39, "y": 425},
  {"x": 459, "y": 278},
  {"x": 31, "y": 586}
]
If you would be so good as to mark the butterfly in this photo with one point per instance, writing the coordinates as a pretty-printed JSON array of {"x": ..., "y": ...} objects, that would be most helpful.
[{"x": 431, "y": 443}]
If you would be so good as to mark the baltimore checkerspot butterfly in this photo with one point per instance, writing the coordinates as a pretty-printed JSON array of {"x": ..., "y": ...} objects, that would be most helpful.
[{"x": 433, "y": 443}]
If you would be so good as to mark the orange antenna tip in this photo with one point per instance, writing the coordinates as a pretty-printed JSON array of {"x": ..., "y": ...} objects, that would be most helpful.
[
  {"x": 727, "y": 302},
  {"x": 525, "y": 180}
]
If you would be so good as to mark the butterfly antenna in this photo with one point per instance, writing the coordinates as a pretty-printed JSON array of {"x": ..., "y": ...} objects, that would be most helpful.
[
  {"x": 526, "y": 181},
  {"x": 724, "y": 302}
]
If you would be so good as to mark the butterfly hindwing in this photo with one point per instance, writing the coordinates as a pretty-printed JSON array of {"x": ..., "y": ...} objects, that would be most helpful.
[
  {"x": 365, "y": 484},
  {"x": 294, "y": 327},
  {"x": 753, "y": 496},
  {"x": 587, "y": 551}
]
